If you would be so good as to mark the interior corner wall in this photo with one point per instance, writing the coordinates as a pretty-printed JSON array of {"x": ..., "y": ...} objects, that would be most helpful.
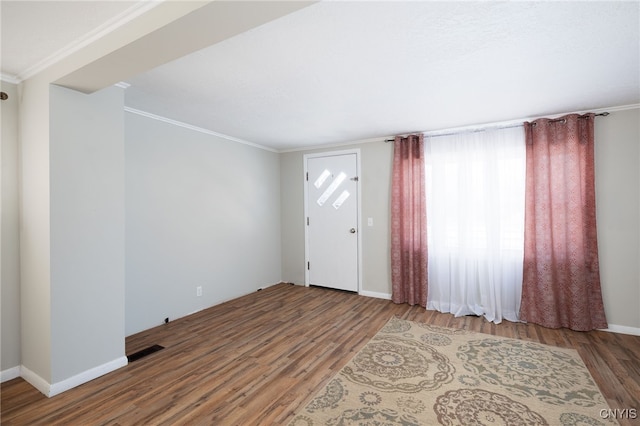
[
  {"x": 201, "y": 211},
  {"x": 617, "y": 161},
  {"x": 35, "y": 295},
  {"x": 87, "y": 231},
  {"x": 375, "y": 181},
  {"x": 9, "y": 232}
]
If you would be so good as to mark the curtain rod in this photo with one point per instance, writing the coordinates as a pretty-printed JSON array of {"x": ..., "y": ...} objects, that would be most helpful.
[
  {"x": 556, "y": 120},
  {"x": 436, "y": 133}
]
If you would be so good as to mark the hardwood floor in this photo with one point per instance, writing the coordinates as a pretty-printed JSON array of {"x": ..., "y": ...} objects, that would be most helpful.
[{"x": 256, "y": 359}]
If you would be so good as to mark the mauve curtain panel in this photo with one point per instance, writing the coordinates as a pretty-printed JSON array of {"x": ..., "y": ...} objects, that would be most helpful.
[
  {"x": 408, "y": 222},
  {"x": 561, "y": 278}
]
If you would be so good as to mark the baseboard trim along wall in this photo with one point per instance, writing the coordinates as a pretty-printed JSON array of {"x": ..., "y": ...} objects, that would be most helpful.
[
  {"x": 9, "y": 374},
  {"x": 34, "y": 380},
  {"x": 53, "y": 389},
  {"x": 613, "y": 328},
  {"x": 375, "y": 294}
]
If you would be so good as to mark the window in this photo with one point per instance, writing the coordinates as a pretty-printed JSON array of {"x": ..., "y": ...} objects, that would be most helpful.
[{"x": 475, "y": 186}]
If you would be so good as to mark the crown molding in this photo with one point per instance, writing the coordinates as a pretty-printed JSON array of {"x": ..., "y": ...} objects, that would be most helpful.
[
  {"x": 336, "y": 144},
  {"x": 136, "y": 10},
  {"x": 586, "y": 111},
  {"x": 520, "y": 121},
  {"x": 196, "y": 128},
  {"x": 509, "y": 123},
  {"x": 9, "y": 78},
  {"x": 615, "y": 108}
]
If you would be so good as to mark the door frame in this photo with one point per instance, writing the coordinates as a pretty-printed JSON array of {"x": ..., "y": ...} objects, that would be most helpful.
[{"x": 305, "y": 157}]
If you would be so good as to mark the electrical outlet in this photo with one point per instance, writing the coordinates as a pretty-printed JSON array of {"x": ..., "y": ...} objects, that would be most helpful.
[
  {"x": 370, "y": 221},
  {"x": 199, "y": 291}
]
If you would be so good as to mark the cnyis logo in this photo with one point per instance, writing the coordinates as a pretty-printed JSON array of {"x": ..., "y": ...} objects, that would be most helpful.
[{"x": 619, "y": 413}]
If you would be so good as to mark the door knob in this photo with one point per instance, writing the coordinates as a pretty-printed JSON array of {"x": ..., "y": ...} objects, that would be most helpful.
[{"x": 352, "y": 230}]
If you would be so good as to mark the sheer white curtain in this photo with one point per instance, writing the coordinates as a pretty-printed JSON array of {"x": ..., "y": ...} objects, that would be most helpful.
[{"x": 475, "y": 222}]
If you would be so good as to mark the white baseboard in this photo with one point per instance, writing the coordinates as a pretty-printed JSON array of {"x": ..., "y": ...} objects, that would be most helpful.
[
  {"x": 613, "y": 328},
  {"x": 53, "y": 389},
  {"x": 270, "y": 285},
  {"x": 86, "y": 376},
  {"x": 635, "y": 331},
  {"x": 377, "y": 295},
  {"x": 9, "y": 374},
  {"x": 34, "y": 380}
]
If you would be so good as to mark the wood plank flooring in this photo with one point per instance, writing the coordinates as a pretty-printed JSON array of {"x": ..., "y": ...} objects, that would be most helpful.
[{"x": 256, "y": 359}]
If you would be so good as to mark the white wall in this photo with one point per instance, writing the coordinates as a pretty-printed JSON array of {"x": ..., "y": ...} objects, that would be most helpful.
[
  {"x": 35, "y": 297},
  {"x": 10, "y": 250},
  {"x": 200, "y": 211},
  {"x": 618, "y": 213},
  {"x": 87, "y": 230},
  {"x": 617, "y": 158},
  {"x": 98, "y": 65}
]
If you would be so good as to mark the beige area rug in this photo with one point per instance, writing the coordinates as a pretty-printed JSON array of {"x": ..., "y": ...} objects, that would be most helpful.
[{"x": 418, "y": 374}]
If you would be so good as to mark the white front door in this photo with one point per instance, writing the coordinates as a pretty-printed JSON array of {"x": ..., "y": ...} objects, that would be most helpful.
[{"x": 331, "y": 183}]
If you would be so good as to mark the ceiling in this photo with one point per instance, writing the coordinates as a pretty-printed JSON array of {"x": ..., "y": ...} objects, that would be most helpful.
[
  {"x": 37, "y": 33},
  {"x": 340, "y": 71}
]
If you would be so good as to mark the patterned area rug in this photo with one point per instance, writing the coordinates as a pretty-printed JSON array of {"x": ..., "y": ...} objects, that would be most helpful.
[{"x": 418, "y": 374}]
